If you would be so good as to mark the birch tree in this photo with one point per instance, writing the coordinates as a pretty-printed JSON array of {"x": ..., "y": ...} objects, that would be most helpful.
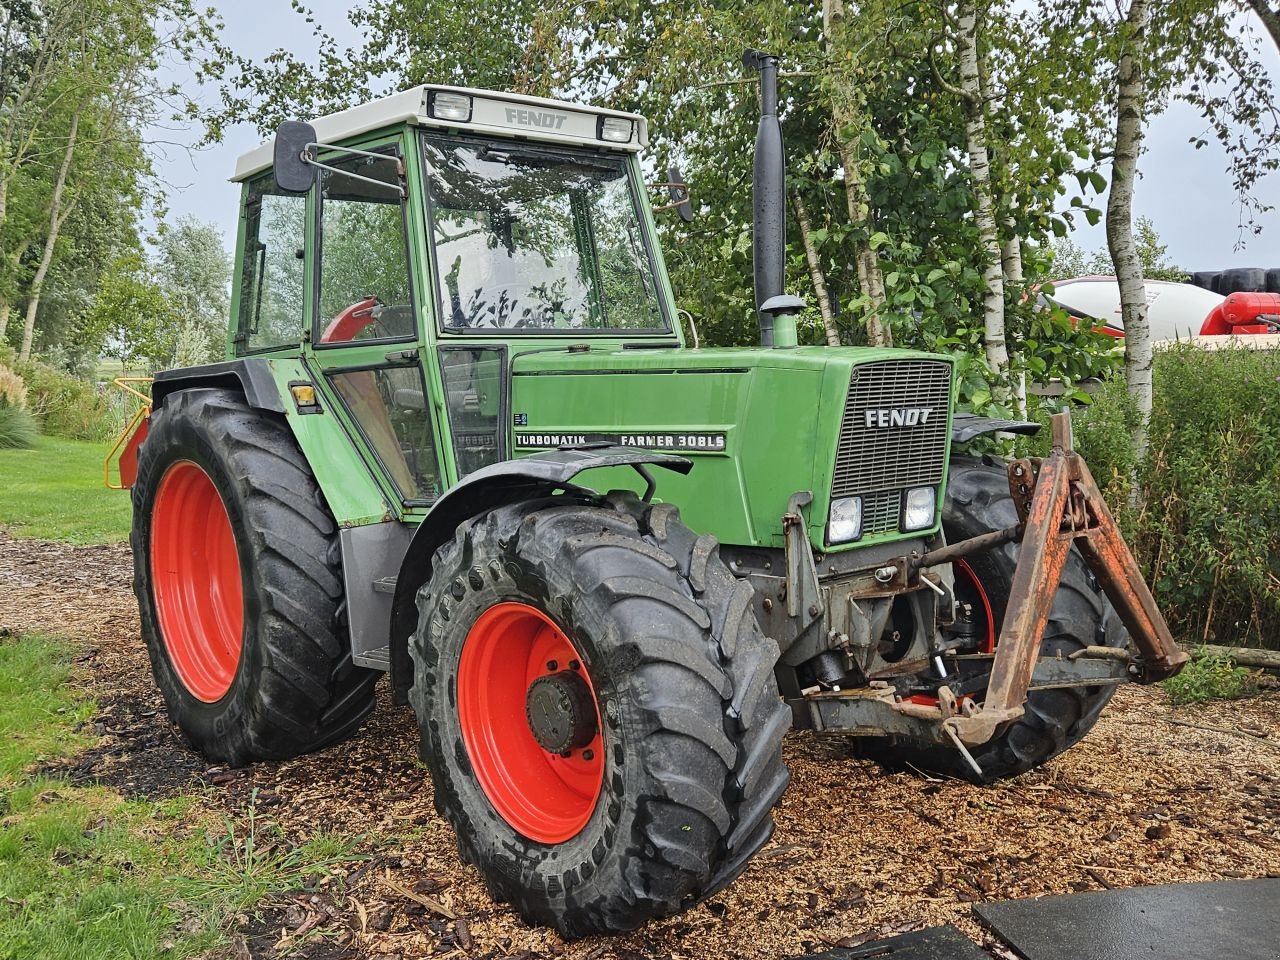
[
  {"x": 1269, "y": 14},
  {"x": 1130, "y": 107}
]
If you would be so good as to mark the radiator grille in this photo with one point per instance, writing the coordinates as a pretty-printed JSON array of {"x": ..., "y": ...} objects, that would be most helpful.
[{"x": 878, "y": 462}]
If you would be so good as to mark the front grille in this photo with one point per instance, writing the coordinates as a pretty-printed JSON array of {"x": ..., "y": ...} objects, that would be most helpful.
[{"x": 879, "y": 461}]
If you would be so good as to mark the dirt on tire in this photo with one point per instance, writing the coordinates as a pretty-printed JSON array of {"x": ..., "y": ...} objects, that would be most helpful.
[{"x": 1155, "y": 794}]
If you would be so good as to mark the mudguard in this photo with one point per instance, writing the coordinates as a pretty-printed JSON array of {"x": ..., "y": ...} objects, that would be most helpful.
[
  {"x": 966, "y": 426},
  {"x": 500, "y": 483},
  {"x": 251, "y": 376}
]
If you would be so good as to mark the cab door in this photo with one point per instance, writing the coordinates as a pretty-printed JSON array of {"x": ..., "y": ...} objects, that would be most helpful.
[{"x": 366, "y": 337}]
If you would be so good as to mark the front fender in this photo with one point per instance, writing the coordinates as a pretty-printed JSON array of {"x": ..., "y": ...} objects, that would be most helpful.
[{"x": 508, "y": 481}]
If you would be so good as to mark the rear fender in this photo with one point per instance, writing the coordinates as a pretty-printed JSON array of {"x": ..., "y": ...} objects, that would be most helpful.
[
  {"x": 508, "y": 481},
  {"x": 350, "y": 488}
]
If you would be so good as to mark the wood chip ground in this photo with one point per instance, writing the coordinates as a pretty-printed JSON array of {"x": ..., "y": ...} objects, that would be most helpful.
[{"x": 859, "y": 852}]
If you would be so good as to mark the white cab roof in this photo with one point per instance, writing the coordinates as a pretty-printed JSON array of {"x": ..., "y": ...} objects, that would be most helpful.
[{"x": 507, "y": 114}]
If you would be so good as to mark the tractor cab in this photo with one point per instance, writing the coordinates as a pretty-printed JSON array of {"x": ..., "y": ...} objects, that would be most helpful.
[{"x": 405, "y": 248}]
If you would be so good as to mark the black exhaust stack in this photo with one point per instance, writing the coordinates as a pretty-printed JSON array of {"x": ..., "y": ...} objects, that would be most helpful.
[{"x": 769, "y": 223}]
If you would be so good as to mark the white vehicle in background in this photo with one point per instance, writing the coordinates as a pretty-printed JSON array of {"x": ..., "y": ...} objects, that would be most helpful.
[{"x": 1176, "y": 311}]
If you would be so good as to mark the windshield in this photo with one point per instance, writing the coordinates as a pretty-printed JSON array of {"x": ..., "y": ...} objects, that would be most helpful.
[{"x": 537, "y": 239}]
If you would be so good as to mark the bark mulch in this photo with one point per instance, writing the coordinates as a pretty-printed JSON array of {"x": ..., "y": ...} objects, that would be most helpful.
[{"x": 859, "y": 853}]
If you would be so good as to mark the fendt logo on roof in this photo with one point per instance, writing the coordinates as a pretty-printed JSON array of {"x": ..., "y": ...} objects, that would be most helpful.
[
  {"x": 545, "y": 119},
  {"x": 886, "y": 417}
]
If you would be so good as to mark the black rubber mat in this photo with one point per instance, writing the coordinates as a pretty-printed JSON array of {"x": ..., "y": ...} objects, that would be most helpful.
[
  {"x": 936, "y": 943},
  {"x": 1231, "y": 920}
]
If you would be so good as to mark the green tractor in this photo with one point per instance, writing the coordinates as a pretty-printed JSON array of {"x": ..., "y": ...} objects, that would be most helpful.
[{"x": 455, "y": 377}]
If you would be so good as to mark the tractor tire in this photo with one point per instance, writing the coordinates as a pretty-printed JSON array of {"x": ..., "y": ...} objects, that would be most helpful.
[
  {"x": 977, "y": 502},
  {"x": 598, "y": 710},
  {"x": 238, "y": 575}
]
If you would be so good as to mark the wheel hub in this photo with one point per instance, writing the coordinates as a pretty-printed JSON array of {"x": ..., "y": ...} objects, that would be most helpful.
[{"x": 561, "y": 712}]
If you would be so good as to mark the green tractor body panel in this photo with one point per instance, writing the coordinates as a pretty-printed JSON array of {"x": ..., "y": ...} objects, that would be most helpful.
[{"x": 759, "y": 425}]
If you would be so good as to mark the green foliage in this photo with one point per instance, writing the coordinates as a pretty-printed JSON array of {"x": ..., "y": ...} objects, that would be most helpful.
[
  {"x": 131, "y": 319},
  {"x": 1210, "y": 525},
  {"x": 67, "y": 406},
  {"x": 1070, "y": 261},
  {"x": 18, "y": 428},
  {"x": 1104, "y": 436},
  {"x": 1209, "y": 677},
  {"x": 55, "y": 492},
  {"x": 1208, "y": 528}
]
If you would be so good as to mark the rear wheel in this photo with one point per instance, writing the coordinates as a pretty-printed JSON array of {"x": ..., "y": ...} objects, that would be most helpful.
[
  {"x": 238, "y": 575},
  {"x": 598, "y": 709},
  {"x": 978, "y": 502}
]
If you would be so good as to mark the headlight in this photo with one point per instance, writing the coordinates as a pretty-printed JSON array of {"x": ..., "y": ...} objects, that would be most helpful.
[
  {"x": 845, "y": 523},
  {"x": 919, "y": 507},
  {"x": 615, "y": 129}
]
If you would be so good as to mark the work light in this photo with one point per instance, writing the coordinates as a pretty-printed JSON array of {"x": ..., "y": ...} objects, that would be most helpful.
[
  {"x": 615, "y": 129},
  {"x": 450, "y": 106}
]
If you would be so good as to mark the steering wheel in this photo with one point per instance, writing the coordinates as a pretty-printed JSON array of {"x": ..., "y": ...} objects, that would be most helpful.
[{"x": 348, "y": 324}]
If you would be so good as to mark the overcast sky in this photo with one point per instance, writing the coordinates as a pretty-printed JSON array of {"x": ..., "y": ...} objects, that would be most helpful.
[{"x": 1186, "y": 192}]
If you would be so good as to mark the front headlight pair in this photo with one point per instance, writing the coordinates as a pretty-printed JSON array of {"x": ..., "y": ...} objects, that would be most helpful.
[{"x": 919, "y": 509}]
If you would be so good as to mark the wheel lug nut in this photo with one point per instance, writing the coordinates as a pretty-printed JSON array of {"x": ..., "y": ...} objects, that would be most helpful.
[
  {"x": 552, "y": 665},
  {"x": 588, "y": 755},
  {"x": 566, "y": 754},
  {"x": 574, "y": 665}
]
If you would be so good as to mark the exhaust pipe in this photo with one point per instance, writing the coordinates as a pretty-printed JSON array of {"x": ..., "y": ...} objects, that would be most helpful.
[{"x": 769, "y": 224}]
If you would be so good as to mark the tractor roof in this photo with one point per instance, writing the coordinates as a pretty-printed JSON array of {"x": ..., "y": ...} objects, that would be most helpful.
[{"x": 506, "y": 114}]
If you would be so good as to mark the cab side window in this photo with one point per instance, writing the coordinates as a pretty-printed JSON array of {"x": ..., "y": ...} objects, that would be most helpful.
[
  {"x": 271, "y": 289},
  {"x": 364, "y": 291}
]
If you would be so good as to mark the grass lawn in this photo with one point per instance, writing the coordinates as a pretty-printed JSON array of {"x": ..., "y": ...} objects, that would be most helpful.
[
  {"x": 88, "y": 875},
  {"x": 54, "y": 492},
  {"x": 83, "y": 873}
]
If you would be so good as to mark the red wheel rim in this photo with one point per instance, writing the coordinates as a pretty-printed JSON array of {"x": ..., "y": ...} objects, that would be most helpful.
[
  {"x": 544, "y": 796},
  {"x": 987, "y": 641},
  {"x": 195, "y": 578}
]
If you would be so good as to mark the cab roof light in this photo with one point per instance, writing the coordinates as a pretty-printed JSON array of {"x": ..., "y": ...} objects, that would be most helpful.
[
  {"x": 615, "y": 129},
  {"x": 449, "y": 106}
]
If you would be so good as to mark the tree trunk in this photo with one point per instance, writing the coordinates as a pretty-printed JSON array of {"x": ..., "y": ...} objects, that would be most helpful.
[
  {"x": 1124, "y": 253},
  {"x": 57, "y": 217},
  {"x": 1247, "y": 656},
  {"x": 975, "y": 127},
  {"x": 4, "y": 316},
  {"x": 815, "y": 269},
  {"x": 1011, "y": 260},
  {"x": 1270, "y": 18},
  {"x": 844, "y": 114}
]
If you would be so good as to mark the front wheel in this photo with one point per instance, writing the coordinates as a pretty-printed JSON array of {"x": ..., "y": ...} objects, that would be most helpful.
[{"x": 598, "y": 709}]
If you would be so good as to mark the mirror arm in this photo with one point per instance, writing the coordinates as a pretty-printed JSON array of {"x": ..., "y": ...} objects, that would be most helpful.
[{"x": 308, "y": 157}]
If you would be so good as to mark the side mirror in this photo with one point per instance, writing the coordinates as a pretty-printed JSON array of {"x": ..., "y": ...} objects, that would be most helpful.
[
  {"x": 679, "y": 193},
  {"x": 293, "y": 169}
]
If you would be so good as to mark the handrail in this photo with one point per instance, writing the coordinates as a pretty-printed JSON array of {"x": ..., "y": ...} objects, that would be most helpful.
[{"x": 131, "y": 428}]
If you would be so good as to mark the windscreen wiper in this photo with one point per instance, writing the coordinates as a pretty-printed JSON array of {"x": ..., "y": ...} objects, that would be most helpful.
[{"x": 540, "y": 158}]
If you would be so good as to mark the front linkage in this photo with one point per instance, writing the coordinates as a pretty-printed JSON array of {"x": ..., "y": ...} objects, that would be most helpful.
[{"x": 1059, "y": 504}]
